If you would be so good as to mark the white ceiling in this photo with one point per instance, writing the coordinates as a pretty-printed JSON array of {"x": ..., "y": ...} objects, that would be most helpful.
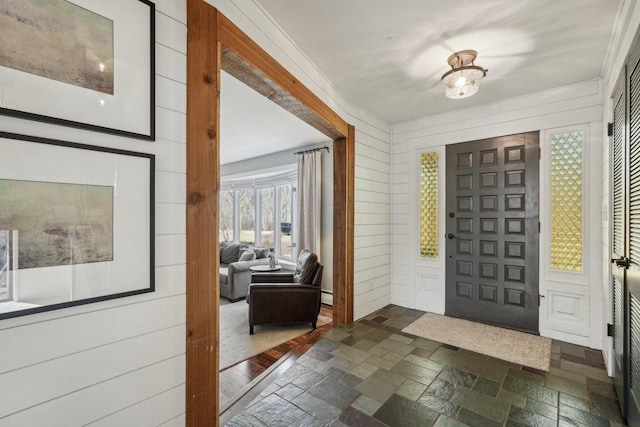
[
  {"x": 388, "y": 56},
  {"x": 253, "y": 126}
]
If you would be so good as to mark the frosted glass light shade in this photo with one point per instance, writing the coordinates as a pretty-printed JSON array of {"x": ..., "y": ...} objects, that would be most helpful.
[
  {"x": 463, "y": 79},
  {"x": 462, "y": 82}
]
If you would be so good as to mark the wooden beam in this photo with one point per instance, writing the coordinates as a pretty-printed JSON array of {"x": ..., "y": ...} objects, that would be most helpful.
[
  {"x": 233, "y": 38},
  {"x": 247, "y": 74},
  {"x": 203, "y": 178},
  {"x": 343, "y": 227}
]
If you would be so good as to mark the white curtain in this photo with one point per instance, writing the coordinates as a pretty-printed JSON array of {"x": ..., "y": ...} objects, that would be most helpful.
[{"x": 309, "y": 201}]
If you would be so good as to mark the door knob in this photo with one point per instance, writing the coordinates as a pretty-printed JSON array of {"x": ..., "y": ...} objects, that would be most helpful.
[
  {"x": 621, "y": 262},
  {"x": 451, "y": 236}
]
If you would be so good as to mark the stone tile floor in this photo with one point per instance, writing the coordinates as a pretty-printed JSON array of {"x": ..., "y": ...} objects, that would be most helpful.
[{"x": 372, "y": 374}]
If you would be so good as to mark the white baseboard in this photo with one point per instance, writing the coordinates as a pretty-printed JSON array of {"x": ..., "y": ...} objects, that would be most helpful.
[{"x": 326, "y": 298}]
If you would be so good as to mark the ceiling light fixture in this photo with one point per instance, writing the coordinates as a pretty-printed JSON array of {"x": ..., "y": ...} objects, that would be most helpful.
[{"x": 463, "y": 79}]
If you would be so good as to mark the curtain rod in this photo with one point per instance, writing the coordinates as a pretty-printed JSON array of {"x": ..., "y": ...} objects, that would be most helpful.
[{"x": 313, "y": 149}]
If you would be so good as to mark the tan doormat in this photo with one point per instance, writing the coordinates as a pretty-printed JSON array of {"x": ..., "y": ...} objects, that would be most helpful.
[{"x": 513, "y": 346}]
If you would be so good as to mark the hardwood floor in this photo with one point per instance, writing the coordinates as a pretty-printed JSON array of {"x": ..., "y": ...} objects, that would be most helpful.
[{"x": 235, "y": 379}]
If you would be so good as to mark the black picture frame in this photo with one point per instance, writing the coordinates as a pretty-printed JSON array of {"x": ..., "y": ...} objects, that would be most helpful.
[
  {"x": 28, "y": 90},
  {"x": 16, "y": 146}
]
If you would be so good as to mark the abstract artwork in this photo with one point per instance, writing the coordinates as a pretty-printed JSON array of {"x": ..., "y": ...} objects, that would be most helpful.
[
  {"x": 58, "y": 40},
  {"x": 76, "y": 224},
  {"x": 57, "y": 223},
  {"x": 87, "y": 64}
]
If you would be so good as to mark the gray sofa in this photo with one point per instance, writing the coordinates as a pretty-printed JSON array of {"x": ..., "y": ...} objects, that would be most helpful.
[{"x": 235, "y": 276}]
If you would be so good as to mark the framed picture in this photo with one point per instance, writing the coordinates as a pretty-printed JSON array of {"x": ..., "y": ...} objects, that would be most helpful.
[
  {"x": 89, "y": 64},
  {"x": 76, "y": 224}
]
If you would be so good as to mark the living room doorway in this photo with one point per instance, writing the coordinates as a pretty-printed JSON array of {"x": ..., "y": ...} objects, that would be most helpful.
[
  {"x": 215, "y": 43},
  {"x": 259, "y": 212}
]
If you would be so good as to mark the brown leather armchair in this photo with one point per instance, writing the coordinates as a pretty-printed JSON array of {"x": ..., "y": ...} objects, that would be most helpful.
[{"x": 283, "y": 298}]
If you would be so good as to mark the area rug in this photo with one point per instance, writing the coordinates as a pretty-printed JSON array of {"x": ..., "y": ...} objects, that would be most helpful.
[
  {"x": 513, "y": 346},
  {"x": 237, "y": 345}
]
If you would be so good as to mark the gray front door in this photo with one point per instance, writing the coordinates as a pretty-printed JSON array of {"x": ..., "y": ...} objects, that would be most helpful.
[{"x": 492, "y": 231}]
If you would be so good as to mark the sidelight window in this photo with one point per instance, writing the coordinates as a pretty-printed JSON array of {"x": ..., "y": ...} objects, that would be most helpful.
[
  {"x": 566, "y": 200},
  {"x": 429, "y": 205}
]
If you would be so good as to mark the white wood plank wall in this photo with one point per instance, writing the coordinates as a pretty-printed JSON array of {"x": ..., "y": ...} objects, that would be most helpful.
[
  {"x": 119, "y": 362},
  {"x": 372, "y": 245}
]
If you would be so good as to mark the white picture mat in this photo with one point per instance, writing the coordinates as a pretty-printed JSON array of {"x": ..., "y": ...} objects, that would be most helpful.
[
  {"x": 128, "y": 109},
  {"x": 130, "y": 178}
]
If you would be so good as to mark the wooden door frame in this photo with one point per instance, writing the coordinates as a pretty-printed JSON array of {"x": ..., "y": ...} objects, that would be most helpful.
[{"x": 211, "y": 36}]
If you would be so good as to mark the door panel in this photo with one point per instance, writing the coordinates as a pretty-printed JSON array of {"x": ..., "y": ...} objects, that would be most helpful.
[
  {"x": 492, "y": 229},
  {"x": 625, "y": 228},
  {"x": 633, "y": 394},
  {"x": 633, "y": 241},
  {"x": 618, "y": 220}
]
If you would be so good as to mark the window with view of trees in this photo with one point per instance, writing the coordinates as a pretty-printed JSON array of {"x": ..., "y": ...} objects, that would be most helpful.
[
  {"x": 247, "y": 200},
  {"x": 286, "y": 220},
  {"x": 262, "y": 216},
  {"x": 267, "y": 217},
  {"x": 226, "y": 216},
  {"x": 5, "y": 294}
]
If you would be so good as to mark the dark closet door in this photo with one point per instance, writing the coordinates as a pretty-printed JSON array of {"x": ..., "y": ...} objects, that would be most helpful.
[
  {"x": 632, "y": 261},
  {"x": 625, "y": 233},
  {"x": 619, "y": 244}
]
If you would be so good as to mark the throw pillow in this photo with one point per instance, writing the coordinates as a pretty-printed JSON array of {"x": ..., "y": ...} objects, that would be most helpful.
[
  {"x": 229, "y": 253},
  {"x": 223, "y": 245},
  {"x": 243, "y": 247},
  {"x": 247, "y": 256},
  {"x": 261, "y": 252}
]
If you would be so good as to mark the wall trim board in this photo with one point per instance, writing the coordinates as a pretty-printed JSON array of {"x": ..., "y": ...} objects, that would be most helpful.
[{"x": 212, "y": 40}]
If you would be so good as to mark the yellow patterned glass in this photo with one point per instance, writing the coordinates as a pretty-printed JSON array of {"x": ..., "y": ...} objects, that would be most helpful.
[
  {"x": 429, "y": 205},
  {"x": 566, "y": 201}
]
